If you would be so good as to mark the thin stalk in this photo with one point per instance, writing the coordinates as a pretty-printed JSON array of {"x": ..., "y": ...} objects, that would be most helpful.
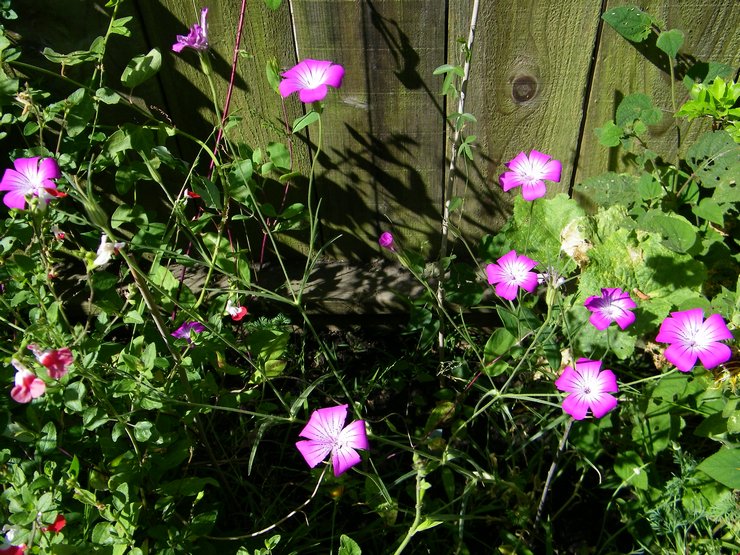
[
  {"x": 449, "y": 189},
  {"x": 311, "y": 221},
  {"x": 421, "y": 486},
  {"x": 551, "y": 472}
]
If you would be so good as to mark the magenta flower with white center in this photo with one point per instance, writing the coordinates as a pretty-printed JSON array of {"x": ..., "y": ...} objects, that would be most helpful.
[
  {"x": 386, "y": 241},
  {"x": 32, "y": 177},
  {"x": 588, "y": 387},
  {"x": 27, "y": 386},
  {"x": 529, "y": 173},
  {"x": 326, "y": 434},
  {"x": 56, "y": 361},
  {"x": 184, "y": 331},
  {"x": 614, "y": 305},
  {"x": 510, "y": 272},
  {"x": 197, "y": 38},
  {"x": 692, "y": 337},
  {"x": 310, "y": 79}
]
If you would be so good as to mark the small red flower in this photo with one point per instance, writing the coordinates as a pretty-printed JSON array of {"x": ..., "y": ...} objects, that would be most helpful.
[{"x": 56, "y": 527}]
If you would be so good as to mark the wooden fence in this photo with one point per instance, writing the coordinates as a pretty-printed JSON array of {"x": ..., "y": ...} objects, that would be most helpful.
[{"x": 544, "y": 75}]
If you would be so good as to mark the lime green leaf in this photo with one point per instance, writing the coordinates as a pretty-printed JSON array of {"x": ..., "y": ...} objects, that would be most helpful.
[
  {"x": 723, "y": 466},
  {"x": 348, "y": 546}
]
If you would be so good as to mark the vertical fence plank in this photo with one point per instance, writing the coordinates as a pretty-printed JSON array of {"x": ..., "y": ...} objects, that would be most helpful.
[
  {"x": 383, "y": 129},
  {"x": 529, "y": 70},
  {"x": 711, "y": 33}
]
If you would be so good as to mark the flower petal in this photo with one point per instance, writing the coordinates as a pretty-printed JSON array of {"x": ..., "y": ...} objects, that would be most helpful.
[
  {"x": 714, "y": 355},
  {"x": 354, "y": 435},
  {"x": 535, "y": 190},
  {"x": 325, "y": 424},
  {"x": 313, "y": 95},
  {"x": 681, "y": 356},
  {"x": 576, "y": 406},
  {"x": 313, "y": 451},
  {"x": 603, "y": 404},
  {"x": 343, "y": 458}
]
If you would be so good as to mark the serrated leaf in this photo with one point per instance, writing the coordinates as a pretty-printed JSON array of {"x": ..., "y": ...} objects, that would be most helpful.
[
  {"x": 723, "y": 466},
  {"x": 610, "y": 135},
  {"x": 670, "y": 42},
  {"x": 637, "y": 106},
  {"x": 141, "y": 68}
]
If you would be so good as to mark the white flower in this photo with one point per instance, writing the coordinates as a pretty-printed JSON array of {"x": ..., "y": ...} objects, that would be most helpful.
[{"x": 106, "y": 250}]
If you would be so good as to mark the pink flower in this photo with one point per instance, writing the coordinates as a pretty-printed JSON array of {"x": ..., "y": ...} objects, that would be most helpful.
[
  {"x": 310, "y": 79},
  {"x": 57, "y": 361},
  {"x": 237, "y": 312},
  {"x": 692, "y": 337},
  {"x": 184, "y": 331},
  {"x": 614, "y": 305},
  {"x": 511, "y": 272},
  {"x": 326, "y": 434},
  {"x": 588, "y": 388},
  {"x": 7, "y": 549},
  {"x": 27, "y": 385},
  {"x": 197, "y": 38},
  {"x": 386, "y": 241},
  {"x": 529, "y": 173},
  {"x": 32, "y": 177},
  {"x": 56, "y": 527}
]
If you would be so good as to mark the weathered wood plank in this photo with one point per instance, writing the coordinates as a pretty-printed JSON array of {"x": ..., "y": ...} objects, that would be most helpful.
[
  {"x": 711, "y": 33},
  {"x": 383, "y": 128},
  {"x": 529, "y": 70}
]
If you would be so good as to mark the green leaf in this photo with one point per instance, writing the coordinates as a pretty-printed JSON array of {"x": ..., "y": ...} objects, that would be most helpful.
[
  {"x": 678, "y": 233},
  {"x": 74, "y": 393},
  {"x": 118, "y": 26},
  {"x": 498, "y": 344},
  {"x": 141, "y": 68},
  {"x": 348, "y": 546},
  {"x": 273, "y": 4},
  {"x": 208, "y": 192},
  {"x": 670, "y": 42},
  {"x": 630, "y": 22},
  {"x": 143, "y": 431},
  {"x": 709, "y": 210},
  {"x": 279, "y": 154},
  {"x": 715, "y": 159},
  {"x": 305, "y": 121},
  {"x": 723, "y": 466},
  {"x": 610, "y": 135},
  {"x": 637, "y": 107},
  {"x": 629, "y": 467},
  {"x": 107, "y": 95},
  {"x": 427, "y": 524}
]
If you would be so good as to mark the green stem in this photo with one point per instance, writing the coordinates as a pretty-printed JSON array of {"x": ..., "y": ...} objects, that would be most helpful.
[
  {"x": 311, "y": 220},
  {"x": 421, "y": 486}
]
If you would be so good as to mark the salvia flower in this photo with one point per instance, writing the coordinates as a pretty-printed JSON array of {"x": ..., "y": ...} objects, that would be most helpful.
[
  {"x": 197, "y": 38},
  {"x": 56, "y": 361},
  {"x": 6, "y": 548},
  {"x": 510, "y": 272},
  {"x": 613, "y": 305},
  {"x": 386, "y": 241},
  {"x": 529, "y": 173},
  {"x": 106, "y": 250},
  {"x": 59, "y": 235},
  {"x": 32, "y": 177},
  {"x": 56, "y": 527},
  {"x": 310, "y": 79},
  {"x": 236, "y": 311},
  {"x": 326, "y": 434},
  {"x": 692, "y": 337},
  {"x": 588, "y": 387},
  {"x": 27, "y": 386},
  {"x": 185, "y": 330}
]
